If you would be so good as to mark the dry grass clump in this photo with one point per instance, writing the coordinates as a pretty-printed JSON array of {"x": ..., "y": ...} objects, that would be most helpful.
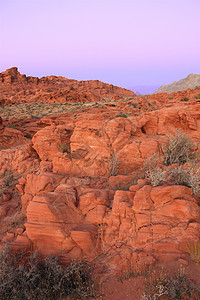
[
  {"x": 193, "y": 248},
  {"x": 121, "y": 115},
  {"x": 153, "y": 172},
  {"x": 187, "y": 175},
  {"x": 180, "y": 175},
  {"x": 179, "y": 150},
  {"x": 156, "y": 176},
  {"x": 31, "y": 278},
  {"x": 8, "y": 179},
  {"x": 178, "y": 287},
  {"x": 65, "y": 148},
  {"x": 112, "y": 163}
]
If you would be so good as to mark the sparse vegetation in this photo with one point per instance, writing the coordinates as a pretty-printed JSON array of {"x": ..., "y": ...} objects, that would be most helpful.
[
  {"x": 187, "y": 175},
  {"x": 193, "y": 248},
  {"x": 184, "y": 99},
  {"x": 156, "y": 176},
  {"x": 178, "y": 287},
  {"x": 121, "y": 115},
  {"x": 65, "y": 148},
  {"x": 39, "y": 109},
  {"x": 180, "y": 149},
  {"x": 28, "y": 135},
  {"x": 8, "y": 179},
  {"x": 133, "y": 104},
  {"x": 112, "y": 164},
  {"x": 197, "y": 96},
  {"x": 32, "y": 278},
  {"x": 152, "y": 171},
  {"x": 180, "y": 175},
  {"x": 12, "y": 126}
]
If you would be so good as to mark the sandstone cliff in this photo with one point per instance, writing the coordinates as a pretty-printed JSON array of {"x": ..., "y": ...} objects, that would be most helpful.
[
  {"x": 75, "y": 185},
  {"x": 15, "y": 87}
]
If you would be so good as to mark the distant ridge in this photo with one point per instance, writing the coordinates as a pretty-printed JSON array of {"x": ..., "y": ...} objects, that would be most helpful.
[
  {"x": 16, "y": 87},
  {"x": 191, "y": 81},
  {"x": 144, "y": 89}
]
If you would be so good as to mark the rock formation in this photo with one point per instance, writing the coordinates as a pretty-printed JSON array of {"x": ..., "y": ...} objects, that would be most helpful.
[
  {"x": 190, "y": 82},
  {"x": 15, "y": 87},
  {"x": 81, "y": 191}
]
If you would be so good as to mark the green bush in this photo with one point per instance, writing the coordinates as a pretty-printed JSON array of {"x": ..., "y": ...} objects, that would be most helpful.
[{"x": 32, "y": 278}]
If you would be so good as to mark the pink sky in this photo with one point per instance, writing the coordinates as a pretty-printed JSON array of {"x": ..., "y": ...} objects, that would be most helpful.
[{"x": 124, "y": 42}]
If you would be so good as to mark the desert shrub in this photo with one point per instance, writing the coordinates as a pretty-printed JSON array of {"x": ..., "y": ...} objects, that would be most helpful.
[
  {"x": 197, "y": 96},
  {"x": 122, "y": 115},
  {"x": 65, "y": 148},
  {"x": 156, "y": 176},
  {"x": 12, "y": 126},
  {"x": 194, "y": 180},
  {"x": 153, "y": 172},
  {"x": 179, "y": 149},
  {"x": 187, "y": 175},
  {"x": 185, "y": 99},
  {"x": 28, "y": 135},
  {"x": 180, "y": 175},
  {"x": 177, "y": 287},
  {"x": 133, "y": 104},
  {"x": 31, "y": 278},
  {"x": 8, "y": 179},
  {"x": 112, "y": 164}
]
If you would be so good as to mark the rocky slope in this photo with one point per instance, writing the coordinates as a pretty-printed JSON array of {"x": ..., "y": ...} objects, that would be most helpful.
[
  {"x": 190, "y": 82},
  {"x": 15, "y": 88},
  {"x": 73, "y": 184}
]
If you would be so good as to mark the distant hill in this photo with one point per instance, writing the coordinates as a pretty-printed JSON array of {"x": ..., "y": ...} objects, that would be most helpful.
[
  {"x": 191, "y": 81},
  {"x": 144, "y": 89}
]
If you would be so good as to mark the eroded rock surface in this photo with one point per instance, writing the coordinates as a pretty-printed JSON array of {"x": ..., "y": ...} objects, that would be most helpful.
[{"x": 82, "y": 189}]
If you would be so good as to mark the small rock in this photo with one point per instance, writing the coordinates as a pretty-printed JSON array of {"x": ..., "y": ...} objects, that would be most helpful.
[
  {"x": 6, "y": 196},
  {"x": 134, "y": 188},
  {"x": 183, "y": 262}
]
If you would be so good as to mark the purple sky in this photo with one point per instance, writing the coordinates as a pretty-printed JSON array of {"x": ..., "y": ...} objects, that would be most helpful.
[{"x": 124, "y": 42}]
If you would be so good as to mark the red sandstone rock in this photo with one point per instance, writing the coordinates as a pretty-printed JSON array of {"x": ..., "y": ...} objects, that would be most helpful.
[
  {"x": 183, "y": 262},
  {"x": 15, "y": 87},
  {"x": 6, "y": 196},
  {"x": 81, "y": 200}
]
